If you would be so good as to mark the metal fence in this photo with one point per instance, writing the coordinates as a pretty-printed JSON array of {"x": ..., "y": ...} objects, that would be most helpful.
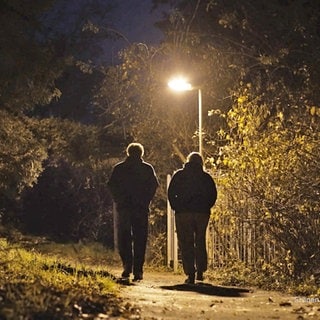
[{"x": 244, "y": 240}]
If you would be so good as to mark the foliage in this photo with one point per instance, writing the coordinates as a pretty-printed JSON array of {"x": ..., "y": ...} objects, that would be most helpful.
[
  {"x": 28, "y": 66},
  {"x": 272, "y": 178},
  {"x": 27, "y": 73},
  {"x": 30, "y": 289},
  {"x": 70, "y": 203},
  {"x": 53, "y": 171},
  {"x": 268, "y": 278},
  {"x": 70, "y": 198},
  {"x": 21, "y": 157},
  {"x": 157, "y": 245},
  {"x": 94, "y": 253},
  {"x": 272, "y": 141},
  {"x": 69, "y": 140},
  {"x": 64, "y": 193}
]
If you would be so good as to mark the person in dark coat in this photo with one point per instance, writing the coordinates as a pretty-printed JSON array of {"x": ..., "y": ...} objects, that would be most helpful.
[
  {"x": 133, "y": 184},
  {"x": 191, "y": 193}
]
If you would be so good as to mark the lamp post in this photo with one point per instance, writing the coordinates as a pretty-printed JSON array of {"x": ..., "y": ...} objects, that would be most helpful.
[{"x": 181, "y": 84}]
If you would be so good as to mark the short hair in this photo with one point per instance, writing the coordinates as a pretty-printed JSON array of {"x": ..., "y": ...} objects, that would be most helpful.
[
  {"x": 135, "y": 149},
  {"x": 195, "y": 157}
]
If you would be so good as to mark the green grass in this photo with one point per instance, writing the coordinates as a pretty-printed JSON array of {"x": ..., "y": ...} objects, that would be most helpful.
[
  {"x": 94, "y": 254},
  {"x": 53, "y": 281}
]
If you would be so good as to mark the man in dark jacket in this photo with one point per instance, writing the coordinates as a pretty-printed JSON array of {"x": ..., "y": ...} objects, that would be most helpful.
[
  {"x": 133, "y": 184},
  {"x": 192, "y": 192}
]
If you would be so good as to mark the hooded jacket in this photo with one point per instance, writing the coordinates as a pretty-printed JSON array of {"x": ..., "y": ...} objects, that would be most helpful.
[{"x": 191, "y": 189}]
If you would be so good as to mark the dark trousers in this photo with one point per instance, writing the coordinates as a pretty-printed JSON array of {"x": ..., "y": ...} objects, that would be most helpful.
[
  {"x": 191, "y": 231},
  {"x": 132, "y": 239}
]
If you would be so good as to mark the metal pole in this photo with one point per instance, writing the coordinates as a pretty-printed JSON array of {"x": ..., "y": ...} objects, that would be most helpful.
[
  {"x": 169, "y": 229},
  {"x": 200, "y": 120}
]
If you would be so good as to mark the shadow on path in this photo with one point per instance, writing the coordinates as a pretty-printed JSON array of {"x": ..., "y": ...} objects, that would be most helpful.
[{"x": 209, "y": 289}]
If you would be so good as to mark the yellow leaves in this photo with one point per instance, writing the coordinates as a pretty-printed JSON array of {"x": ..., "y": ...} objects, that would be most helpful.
[
  {"x": 84, "y": 66},
  {"x": 245, "y": 94},
  {"x": 242, "y": 99},
  {"x": 283, "y": 52},
  {"x": 267, "y": 214},
  {"x": 315, "y": 111},
  {"x": 90, "y": 26},
  {"x": 280, "y": 116},
  {"x": 268, "y": 60},
  {"x": 213, "y": 112},
  {"x": 211, "y": 161},
  {"x": 226, "y": 161},
  {"x": 221, "y": 133},
  {"x": 300, "y": 139},
  {"x": 228, "y": 20}
]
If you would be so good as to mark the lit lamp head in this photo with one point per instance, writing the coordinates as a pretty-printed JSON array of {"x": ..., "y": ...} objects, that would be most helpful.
[{"x": 179, "y": 84}]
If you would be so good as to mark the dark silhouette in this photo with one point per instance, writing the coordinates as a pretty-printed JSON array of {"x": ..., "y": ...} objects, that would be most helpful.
[
  {"x": 133, "y": 184},
  {"x": 192, "y": 192},
  {"x": 209, "y": 289}
]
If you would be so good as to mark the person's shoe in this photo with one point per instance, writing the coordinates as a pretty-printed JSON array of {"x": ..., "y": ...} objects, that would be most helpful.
[
  {"x": 190, "y": 279},
  {"x": 199, "y": 276},
  {"x": 125, "y": 274},
  {"x": 138, "y": 277}
]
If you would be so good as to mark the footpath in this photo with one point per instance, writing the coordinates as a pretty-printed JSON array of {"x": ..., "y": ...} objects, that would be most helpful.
[{"x": 164, "y": 296}]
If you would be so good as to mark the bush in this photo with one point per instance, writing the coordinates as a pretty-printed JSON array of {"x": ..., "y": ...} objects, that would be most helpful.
[{"x": 69, "y": 203}]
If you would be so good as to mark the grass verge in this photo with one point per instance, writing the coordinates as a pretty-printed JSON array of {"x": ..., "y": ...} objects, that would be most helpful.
[
  {"x": 35, "y": 285},
  {"x": 269, "y": 278}
]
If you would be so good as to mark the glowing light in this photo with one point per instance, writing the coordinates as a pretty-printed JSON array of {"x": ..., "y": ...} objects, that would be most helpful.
[{"x": 179, "y": 84}]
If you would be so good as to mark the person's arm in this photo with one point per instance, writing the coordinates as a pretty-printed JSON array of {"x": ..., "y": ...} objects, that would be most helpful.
[
  {"x": 114, "y": 185},
  {"x": 152, "y": 185},
  {"x": 172, "y": 192},
  {"x": 212, "y": 195}
]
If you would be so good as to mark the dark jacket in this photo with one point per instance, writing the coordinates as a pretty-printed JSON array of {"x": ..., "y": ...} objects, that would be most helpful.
[
  {"x": 192, "y": 190},
  {"x": 133, "y": 184}
]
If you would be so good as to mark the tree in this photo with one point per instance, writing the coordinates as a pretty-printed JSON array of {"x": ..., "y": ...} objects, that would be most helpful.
[
  {"x": 28, "y": 66},
  {"x": 70, "y": 203},
  {"x": 271, "y": 177},
  {"x": 273, "y": 135},
  {"x": 34, "y": 56},
  {"x": 27, "y": 73},
  {"x": 21, "y": 158}
]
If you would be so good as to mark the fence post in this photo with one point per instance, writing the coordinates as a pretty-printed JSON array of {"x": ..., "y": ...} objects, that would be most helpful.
[
  {"x": 172, "y": 242},
  {"x": 169, "y": 228},
  {"x": 115, "y": 227}
]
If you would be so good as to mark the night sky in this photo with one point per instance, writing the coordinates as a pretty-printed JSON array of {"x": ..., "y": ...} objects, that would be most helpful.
[{"x": 134, "y": 19}]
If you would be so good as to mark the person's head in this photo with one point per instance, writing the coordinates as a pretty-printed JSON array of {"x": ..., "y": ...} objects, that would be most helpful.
[
  {"x": 135, "y": 150},
  {"x": 195, "y": 158}
]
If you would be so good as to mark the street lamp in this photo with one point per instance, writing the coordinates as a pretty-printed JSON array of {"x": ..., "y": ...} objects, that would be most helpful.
[{"x": 181, "y": 84}]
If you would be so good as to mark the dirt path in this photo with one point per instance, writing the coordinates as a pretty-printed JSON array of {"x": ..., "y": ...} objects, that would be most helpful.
[{"x": 162, "y": 296}]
